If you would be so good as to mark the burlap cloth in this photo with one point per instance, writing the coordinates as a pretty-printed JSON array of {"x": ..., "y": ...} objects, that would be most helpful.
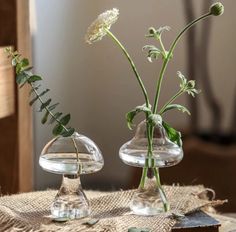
[{"x": 30, "y": 211}]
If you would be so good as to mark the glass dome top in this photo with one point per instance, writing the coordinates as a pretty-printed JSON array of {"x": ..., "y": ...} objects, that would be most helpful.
[
  {"x": 76, "y": 154},
  {"x": 165, "y": 152}
]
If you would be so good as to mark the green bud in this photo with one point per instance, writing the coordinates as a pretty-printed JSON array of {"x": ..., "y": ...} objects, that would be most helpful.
[
  {"x": 217, "y": 9},
  {"x": 152, "y": 31},
  {"x": 191, "y": 84}
]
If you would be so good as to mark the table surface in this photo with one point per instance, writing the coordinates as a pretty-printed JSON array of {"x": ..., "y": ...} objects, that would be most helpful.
[{"x": 228, "y": 222}]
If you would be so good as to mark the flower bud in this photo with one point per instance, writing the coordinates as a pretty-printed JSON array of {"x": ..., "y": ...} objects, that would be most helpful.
[
  {"x": 152, "y": 31},
  {"x": 217, "y": 9}
]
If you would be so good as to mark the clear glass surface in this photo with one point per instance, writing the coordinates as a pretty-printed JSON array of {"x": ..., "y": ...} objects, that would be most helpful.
[
  {"x": 165, "y": 152},
  {"x": 146, "y": 201},
  {"x": 70, "y": 201},
  {"x": 71, "y": 155}
]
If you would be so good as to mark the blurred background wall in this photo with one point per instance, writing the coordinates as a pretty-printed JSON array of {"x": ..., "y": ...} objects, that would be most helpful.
[{"x": 96, "y": 85}]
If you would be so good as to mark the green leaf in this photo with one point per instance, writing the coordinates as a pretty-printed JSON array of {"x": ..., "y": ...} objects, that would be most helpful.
[
  {"x": 45, "y": 117},
  {"x": 64, "y": 120},
  {"x": 57, "y": 129},
  {"x": 130, "y": 117},
  {"x": 68, "y": 133},
  {"x": 34, "y": 78},
  {"x": 135, "y": 229},
  {"x": 155, "y": 119},
  {"x": 21, "y": 78},
  {"x": 174, "y": 135},
  {"x": 14, "y": 61},
  {"x": 33, "y": 100},
  {"x": 52, "y": 107},
  {"x": 131, "y": 114},
  {"x": 56, "y": 116},
  {"x": 44, "y": 92},
  {"x": 91, "y": 222},
  {"x": 178, "y": 107},
  {"x": 45, "y": 104},
  {"x": 24, "y": 62},
  {"x": 27, "y": 69},
  {"x": 36, "y": 98}
]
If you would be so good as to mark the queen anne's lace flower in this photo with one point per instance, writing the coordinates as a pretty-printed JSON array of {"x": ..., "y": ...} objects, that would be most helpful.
[{"x": 104, "y": 21}]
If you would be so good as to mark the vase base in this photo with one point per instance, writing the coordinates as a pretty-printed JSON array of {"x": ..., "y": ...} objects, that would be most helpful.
[
  {"x": 68, "y": 209},
  {"x": 146, "y": 211},
  {"x": 147, "y": 202}
]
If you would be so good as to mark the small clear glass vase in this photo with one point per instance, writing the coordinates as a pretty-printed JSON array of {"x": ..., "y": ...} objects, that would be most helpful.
[
  {"x": 150, "y": 198},
  {"x": 71, "y": 157}
]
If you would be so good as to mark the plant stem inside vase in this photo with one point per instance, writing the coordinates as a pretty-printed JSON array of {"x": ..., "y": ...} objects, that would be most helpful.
[{"x": 148, "y": 199}]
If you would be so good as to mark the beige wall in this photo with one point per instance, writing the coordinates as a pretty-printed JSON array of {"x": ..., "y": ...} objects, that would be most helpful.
[{"x": 95, "y": 83}]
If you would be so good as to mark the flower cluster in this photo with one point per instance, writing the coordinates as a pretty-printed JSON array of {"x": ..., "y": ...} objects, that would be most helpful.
[{"x": 97, "y": 29}]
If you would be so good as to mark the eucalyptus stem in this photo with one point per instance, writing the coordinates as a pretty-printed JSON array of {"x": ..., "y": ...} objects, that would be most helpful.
[
  {"x": 166, "y": 60},
  {"x": 55, "y": 118}
]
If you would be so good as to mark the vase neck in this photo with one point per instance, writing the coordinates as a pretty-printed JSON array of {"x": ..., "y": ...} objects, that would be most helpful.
[{"x": 71, "y": 183}]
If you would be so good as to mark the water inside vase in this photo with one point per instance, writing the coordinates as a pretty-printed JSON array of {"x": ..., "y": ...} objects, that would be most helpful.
[
  {"x": 165, "y": 152},
  {"x": 66, "y": 163}
]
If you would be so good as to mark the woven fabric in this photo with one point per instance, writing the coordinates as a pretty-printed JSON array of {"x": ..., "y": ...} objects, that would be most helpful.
[{"x": 30, "y": 211}]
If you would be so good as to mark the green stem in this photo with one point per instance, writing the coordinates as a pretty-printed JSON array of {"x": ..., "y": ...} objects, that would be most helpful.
[
  {"x": 144, "y": 175},
  {"x": 139, "y": 79},
  {"x": 162, "y": 46},
  {"x": 163, "y": 69},
  {"x": 171, "y": 100},
  {"x": 56, "y": 119},
  {"x": 165, "y": 202},
  {"x": 132, "y": 65}
]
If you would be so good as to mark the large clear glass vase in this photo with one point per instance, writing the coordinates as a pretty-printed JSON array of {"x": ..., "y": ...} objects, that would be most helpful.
[
  {"x": 71, "y": 157},
  {"x": 150, "y": 198}
]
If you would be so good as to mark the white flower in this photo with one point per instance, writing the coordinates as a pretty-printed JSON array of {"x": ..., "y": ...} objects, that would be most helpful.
[{"x": 104, "y": 21}]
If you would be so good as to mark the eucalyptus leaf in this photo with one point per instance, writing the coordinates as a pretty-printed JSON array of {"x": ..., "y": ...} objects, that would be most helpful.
[
  {"x": 52, "y": 107},
  {"x": 91, "y": 222},
  {"x": 45, "y": 104},
  {"x": 33, "y": 100},
  {"x": 24, "y": 62},
  {"x": 64, "y": 120},
  {"x": 45, "y": 117},
  {"x": 177, "y": 107},
  {"x": 174, "y": 135},
  {"x": 21, "y": 78},
  {"x": 58, "y": 129},
  {"x": 34, "y": 78}
]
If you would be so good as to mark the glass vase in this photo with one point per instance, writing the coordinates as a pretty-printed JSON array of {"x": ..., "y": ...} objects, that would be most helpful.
[
  {"x": 150, "y": 198},
  {"x": 71, "y": 157}
]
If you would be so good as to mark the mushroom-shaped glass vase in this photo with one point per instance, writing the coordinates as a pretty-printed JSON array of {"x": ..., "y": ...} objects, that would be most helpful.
[
  {"x": 71, "y": 157},
  {"x": 150, "y": 198}
]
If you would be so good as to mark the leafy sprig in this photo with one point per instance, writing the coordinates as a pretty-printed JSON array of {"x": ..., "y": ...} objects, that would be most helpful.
[{"x": 25, "y": 76}]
